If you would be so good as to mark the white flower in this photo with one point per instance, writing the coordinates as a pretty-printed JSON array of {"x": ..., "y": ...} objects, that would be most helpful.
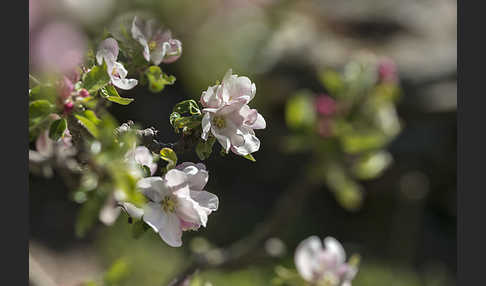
[
  {"x": 158, "y": 45},
  {"x": 141, "y": 155},
  {"x": 178, "y": 201},
  {"x": 112, "y": 207},
  {"x": 228, "y": 116},
  {"x": 323, "y": 265},
  {"x": 108, "y": 50}
]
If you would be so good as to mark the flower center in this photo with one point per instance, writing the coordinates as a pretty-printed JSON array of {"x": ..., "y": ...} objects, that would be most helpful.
[
  {"x": 168, "y": 204},
  {"x": 152, "y": 45},
  {"x": 219, "y": 122},
  {"x": 115, "y": 73}
]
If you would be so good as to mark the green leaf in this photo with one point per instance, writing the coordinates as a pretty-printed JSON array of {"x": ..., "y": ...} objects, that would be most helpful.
[
  {"x": 90, "y": 122},
  {"x": 157, "y": 79},
  {"x": 56, "y": 131},
  {"x": 332, "y": 81},
  {"x": 96, "y": 78},
  {"x": 249, "y": 157},
  {"x": 40, "y": 108},
  {"x": 371, "y": 165},
  {"x": 109, "y": 92},
  {"x": 169, "y": 156},
  {"x": 205, "y": 148},
  {"x": 300, "y": 111},
  {"x": 187, "y": 107}
]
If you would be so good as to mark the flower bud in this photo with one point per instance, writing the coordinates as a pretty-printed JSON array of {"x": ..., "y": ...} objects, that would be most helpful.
[
  {"x": 325, "y": 105},
  {"x": 387, "y": 70},
  {"x": 68, "y": 107},
  {"x": 83, "y": 93}
]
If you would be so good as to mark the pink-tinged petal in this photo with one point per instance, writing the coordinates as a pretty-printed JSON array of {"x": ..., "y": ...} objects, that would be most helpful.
[
  {"x": 210, "y": 99},
  {"x": 138, "y": 35},
  {"x": 188, "y": 225},
  {"x": 259, "y": 122},
  {"x": 154, "y": 188},
  {"x": 174, "y": 51},
  {"x": 206, "y": 199},
  {"x": 196, "y": 174},
  {"x": 251, "y": 142},
  {"x": 306, "y": 258},
  {"x": 166, "y": 224},
  {"x": 158, "y": 53},
  {"x": 234, "y": 106},
  {"x": 335, "y": 248},
  {"x": 175, "y": 178},
  {"x": 107, "y": 50},
  {"x": 44, "y": 145},
  {"x": 188, "y": 209},
  {"x": 67, "y": 88},
  {"x": 143, "y": 156},
  {"x": 206, "y": 126},
  {"x": 222, "y": 139}
]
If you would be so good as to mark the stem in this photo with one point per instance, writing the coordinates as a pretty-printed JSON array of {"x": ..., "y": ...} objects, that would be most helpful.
[{"x": 240, "y": 252}]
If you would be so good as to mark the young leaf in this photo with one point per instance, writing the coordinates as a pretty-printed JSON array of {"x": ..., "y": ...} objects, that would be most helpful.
[
  {"x": 157, "y": 79},
  {"x": 96, "y": 78},
  {"x": 89, "y": 121},
  {"x": 169, "y": 156},
  {"x": 332, "y": 81},
  {"x": 205, "y": 148},
  {"x": 300, "y": 111},
  {"x": 56, "y": 131},
  {"x": 109, "y": 92},
  {"x": 249, "y": 157},
  {"x": 40, "y": 108}
]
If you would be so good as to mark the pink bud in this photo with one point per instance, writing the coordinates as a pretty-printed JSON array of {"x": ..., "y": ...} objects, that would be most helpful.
[
  {"x": 66, "y": 88},
  {"x": 387, "y": 70},
  {"x": 68, "y": 107},
  {"x": 83, "y": 93},
  {"x": 325, "y": 105}
]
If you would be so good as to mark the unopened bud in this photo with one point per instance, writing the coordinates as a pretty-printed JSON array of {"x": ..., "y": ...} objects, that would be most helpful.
[
  {"x": 68, "y": 107},
  {"x": 83, "y": 93}
]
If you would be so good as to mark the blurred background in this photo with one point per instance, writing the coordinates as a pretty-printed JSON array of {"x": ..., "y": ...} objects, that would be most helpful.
[{"x": 405, "y": 230}]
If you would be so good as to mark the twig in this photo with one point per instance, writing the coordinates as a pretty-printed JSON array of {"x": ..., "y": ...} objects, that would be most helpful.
[{"x": 240, "y": 252}]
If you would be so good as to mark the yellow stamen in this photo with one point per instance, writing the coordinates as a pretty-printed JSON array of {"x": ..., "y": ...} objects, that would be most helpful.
[{"x": 168, "y": 204}]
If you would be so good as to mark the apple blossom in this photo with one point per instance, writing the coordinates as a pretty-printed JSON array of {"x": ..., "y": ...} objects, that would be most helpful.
[
  {"x": 177, "y": 201},
  {"x": 108, "y": 51},
  {"x": 141, "y": 155},
  {"x": 112, "y": 208},
  {"x": 323, "y": 266},
  {"x": 228, "y": 116},
  {"x": 158, "y": 45}
]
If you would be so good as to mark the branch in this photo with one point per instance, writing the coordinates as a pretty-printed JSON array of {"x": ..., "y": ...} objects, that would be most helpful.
[{"x": 240, "y": 252}]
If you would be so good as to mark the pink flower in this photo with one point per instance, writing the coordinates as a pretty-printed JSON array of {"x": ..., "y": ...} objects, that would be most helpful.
[
  {"x": 67, "y": 87},
  {"x": 59, "y": 47},
  {"x": 323, "y": 265},
  {"x": 142, "y": 156},
  {"x": 387, "y": 70},
  {"x": 325, "y": 105},
  {"x": 177, "y": 201},
  {"x": 228, "y": 116},
  {"x": 158, "y": 45},
  {"x": 108, "y": 51}
]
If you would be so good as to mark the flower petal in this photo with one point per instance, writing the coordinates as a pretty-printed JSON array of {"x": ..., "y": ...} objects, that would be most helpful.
[
  {"x": 175, "y": 178},
  {"x": 335, "y": 248},
  {"x": 138, "y": 35},
  {"x": 174, "y": 51},
  {"x": 166, "y": 224},
  {"x": 222, "y": 139},
  {"x": 132, "y": 210},
  {"x": 251, "y": 142},
  {"x": 188, "y": 209},
  {"x": 153, "y": 188},
  {"x": 206, "y": 126},
  {"x": 206, "y": 199},
  {"x": 307, "y": 257},
  {"x": 196, "y": 174},
  {"x": 108, "y": 50}
]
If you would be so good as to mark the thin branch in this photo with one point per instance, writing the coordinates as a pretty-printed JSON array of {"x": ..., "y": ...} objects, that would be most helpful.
[{"x": 240, "y": 252}]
